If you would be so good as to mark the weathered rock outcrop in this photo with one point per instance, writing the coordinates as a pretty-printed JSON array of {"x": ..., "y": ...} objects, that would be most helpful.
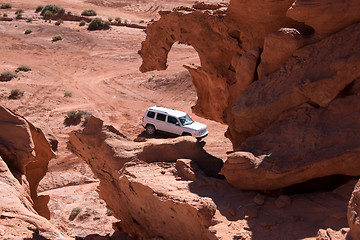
[
  {"x": 292, "y": 64},
  {"x": 161, "y": 198},
  {"x": 114, "y": 149},
  {"x": 24, "y": 157},
  {"x": 353, "y": 213}
]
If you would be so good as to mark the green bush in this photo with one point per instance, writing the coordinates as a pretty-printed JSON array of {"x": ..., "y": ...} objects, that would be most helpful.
[
  {"x": 74, "y": 117},
  {"x": 29, "y": 20},
  {"x": 39, "y": 8},
  {"x": 141, "y": 21},
  {"x": 110, "y": 19},
  {"x": 47, "y": 14},
  {"x": 16, "y": 94},
  {"x": 68, "y": 94},
  {"x": 53, "y": 9},
  {"x": 118, "y": 19},
  {"x": 82, "y": 23},
  {"x": 24, "y": 68},
  {"x": 88, "y": 12},
  {"x": 58, "y": 22},
  {"x": 56, "y": 38},
  {"x": 125, "y": 21},
  {"x": 28, "y": 31},
  {"x": 98, "y": 24},
  {"x": 7, "y": 76},
  {"x": 5, "y": 15},
  {"x": 74, "y": 213},
  {"x": 5, "y": 6}
]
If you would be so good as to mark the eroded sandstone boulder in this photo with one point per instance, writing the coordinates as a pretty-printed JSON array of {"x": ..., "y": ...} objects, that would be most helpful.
[
  {"x": 24, "y": 157},
  {"x": 113, "y": 149},
  {"x": 353, "y": 213}
]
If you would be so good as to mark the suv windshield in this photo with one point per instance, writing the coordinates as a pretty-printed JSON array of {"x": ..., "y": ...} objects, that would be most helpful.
[{"x": 186, "y": 120}]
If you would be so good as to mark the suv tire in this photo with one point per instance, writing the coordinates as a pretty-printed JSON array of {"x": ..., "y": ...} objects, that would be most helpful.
[{"x": 150, "y": 129}]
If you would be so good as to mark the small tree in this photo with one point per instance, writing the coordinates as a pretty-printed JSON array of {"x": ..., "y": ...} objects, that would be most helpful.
[
  {"x": 28, "y": 31},
  {"x": 88, "y": 12}
]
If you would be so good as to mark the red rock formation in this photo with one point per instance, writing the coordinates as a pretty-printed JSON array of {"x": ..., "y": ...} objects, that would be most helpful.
[
  {"x": 161, "y": 199},
  {"x": 353, "y": 213},
  {"x": 24, "y": 157},
  {"x": 114, "y": 149},
  {"x": 290, "y": 64}
]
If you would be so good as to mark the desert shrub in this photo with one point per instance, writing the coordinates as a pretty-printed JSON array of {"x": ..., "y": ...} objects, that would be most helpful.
[
  {"x": 109, "y": 212},
  {"x": 24, "y": 68},
  {"x": 5, "y": 6},
  {"x": 16, "y": 94},
  {"x": 88, "y": 12},
  {"x": 53, "y": 9},
  {"x": 82, "y": 23},
  {"x": 47, "y": 14},
  {"x": 19, "y": 13},
  {"x": 5, "y": 15},
  {"x": 74, "y": 117},
  {"x": 39, "y": 9},
  {"x": 110, "y": 19},
  {"x": 74, "y": 213},
  {"x": 58, "y": 22},
  {"x": 68, "y": 94},
  {"x": 28, "y": 31},
  {"x": 141, "y": 21},
  {"x": 56, "y": 38},
  {"x": 98, "y": 24},
  {"x": 7, "y": 76},
  {"x": 125, "y": 21},
  {"x": 29, "y": 20},
  {"x": 87, "y": 116},
  {"x": 118, "y": 19}
]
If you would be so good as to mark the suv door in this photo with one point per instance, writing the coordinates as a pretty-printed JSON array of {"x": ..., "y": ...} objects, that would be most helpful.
[
  {"x": 160, "y": 122},
  {"x": 173, "y": 125}
]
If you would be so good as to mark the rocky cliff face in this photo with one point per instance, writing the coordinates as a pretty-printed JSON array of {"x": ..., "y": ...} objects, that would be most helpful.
[
  {"x": 282, "y": 75},
  {"x": 24, "y": 157}
]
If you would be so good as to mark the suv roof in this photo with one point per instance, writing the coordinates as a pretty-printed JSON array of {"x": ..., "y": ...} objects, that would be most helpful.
[{"x": 170, "y": 111}]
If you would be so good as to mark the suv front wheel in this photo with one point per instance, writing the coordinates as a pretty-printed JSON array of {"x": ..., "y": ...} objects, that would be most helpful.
[{"x": 150, "y": 129}]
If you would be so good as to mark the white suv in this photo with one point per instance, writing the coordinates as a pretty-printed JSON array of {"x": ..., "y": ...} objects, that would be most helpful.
[{"x": 172, "y": 121}]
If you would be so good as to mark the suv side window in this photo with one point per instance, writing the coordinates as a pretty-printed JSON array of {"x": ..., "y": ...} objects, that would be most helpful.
[
  {"x": 161, "y": 117},
  {"x": 172, "y": 120},
  {"x": 151, "y": 114}
]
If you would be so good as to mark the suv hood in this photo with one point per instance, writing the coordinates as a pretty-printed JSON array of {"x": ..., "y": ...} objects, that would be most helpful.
[{"x": 195, "y": 126}]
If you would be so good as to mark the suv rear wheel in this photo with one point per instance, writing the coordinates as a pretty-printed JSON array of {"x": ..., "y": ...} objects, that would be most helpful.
[{"x": 150, "y": 129}]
